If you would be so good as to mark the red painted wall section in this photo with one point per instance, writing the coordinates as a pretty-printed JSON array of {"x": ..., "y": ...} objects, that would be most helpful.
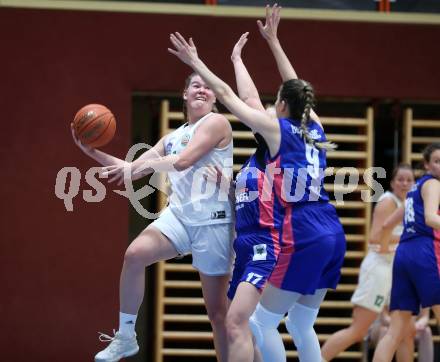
[{"x": 59, "y": 269}]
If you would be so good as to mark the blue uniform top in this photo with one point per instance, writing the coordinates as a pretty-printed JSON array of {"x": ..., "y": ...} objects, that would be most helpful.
[
  {"x": 294, "y": 175},
  {"x": 414, "y": 220},
  {"x": 302, "y": 164},
  {"x": 255, "y": 204}
]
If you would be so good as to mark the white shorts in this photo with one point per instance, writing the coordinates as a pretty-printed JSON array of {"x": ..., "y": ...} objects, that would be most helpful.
[
  {"x": 210, "y": 245},
  {"x": 375, "y": 277}
]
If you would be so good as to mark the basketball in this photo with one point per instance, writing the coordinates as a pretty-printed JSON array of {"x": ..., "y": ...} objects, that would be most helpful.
[{"x": 94, "y": 125}]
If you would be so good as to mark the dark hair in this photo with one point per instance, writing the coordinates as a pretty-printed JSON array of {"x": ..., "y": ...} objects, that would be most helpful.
[
  {"x": 300, "y": 97},
  {"x": 260, "y": 152},
  {"x": 427, "y": 152},
  {"x": 184, "y": 108},
  {"x": 401, "y": 166}
]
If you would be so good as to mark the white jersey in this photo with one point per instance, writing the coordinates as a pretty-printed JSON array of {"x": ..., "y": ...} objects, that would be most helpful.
[
  {"x": 194, "y": 200},
  {"x": 398, "y": 230}
]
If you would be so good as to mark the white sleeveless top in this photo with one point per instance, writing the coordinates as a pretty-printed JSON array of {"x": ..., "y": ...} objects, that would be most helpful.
[
  {"x": 194, "y": 200},
  {"x": 398, "y": 230}
]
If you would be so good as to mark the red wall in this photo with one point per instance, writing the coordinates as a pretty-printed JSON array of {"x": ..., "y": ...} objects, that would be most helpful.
[{"x": 60, "y": 270}]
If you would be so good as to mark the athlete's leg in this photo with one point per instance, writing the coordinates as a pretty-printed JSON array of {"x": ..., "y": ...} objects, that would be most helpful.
[
  {"x": 425, "y": 345},
  {"x": 266, "y": 318},
  {"x": 436, "y": 310},
  {"x": 148, "y": 248},
  {"x": 341, "y": 340},
  {"x": 405, "y": 350},
  {"x": 240, "y": 347},
  {"x": 214, "y": 290},
  {"x": 264, "y": 324},
  {"x": 299, "y": 322},
  {"x": 400, "y": 323}
]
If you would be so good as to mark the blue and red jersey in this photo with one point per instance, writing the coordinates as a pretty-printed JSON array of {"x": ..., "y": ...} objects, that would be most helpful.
[
  {"x": 294, "y": 175},
  {"x": 282, "y": 212},
  {"x": 302, "y": 165}
]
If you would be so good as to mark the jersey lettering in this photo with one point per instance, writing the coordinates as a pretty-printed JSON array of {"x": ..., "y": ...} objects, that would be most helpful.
[
  {"x": 409, "y": 210},
  {"x": 254, "y": 278}
]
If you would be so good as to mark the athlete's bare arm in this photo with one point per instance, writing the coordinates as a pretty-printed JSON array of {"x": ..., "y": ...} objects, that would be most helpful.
[
  {"x": 431, "y": 202},
  {"x": 380, "y": 231},
  {"x": 269, "y": 32},
  {"x": 259, "y": 121},
  {"x": 213, "y": 132},
  {"x": 247, "y": 91}
]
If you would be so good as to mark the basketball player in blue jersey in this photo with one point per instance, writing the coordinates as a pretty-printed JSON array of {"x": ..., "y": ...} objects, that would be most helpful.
[
  {"x": 303, "y": 240},
  {"x": 206, "y": 232},
  {"x": 373, "y": 290},
  {"x": 416, "y": 269}
]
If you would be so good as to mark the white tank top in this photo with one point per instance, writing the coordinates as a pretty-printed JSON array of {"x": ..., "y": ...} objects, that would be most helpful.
[
  {"x": 398, "y": 230},
  {"x": 194, "y": 200}
]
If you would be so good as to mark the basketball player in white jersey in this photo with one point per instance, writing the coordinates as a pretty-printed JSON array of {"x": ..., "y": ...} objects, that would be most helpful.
[{"x": 192, "y": 222}]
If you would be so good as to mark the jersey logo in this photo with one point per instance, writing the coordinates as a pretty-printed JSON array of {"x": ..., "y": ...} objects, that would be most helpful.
[
  {"x": 218, "y": 214},
  {"x": 185, "y": 139},
  {"x": 314, "y": 134},
  {"x": 242, "y": 195},
  {"x": 260, "y": 252},
  {"x": 409, "y": 210},
  {"x": 379, "y": 301},
  {"x": 168, "y": 148}
]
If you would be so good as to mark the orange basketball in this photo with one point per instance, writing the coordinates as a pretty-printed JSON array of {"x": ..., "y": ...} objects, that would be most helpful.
[{"x": 94, "y": 125}]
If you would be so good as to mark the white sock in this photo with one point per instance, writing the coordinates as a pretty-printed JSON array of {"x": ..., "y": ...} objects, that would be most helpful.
[
  {"x": 299, "y": 324},
  {"x": 127, "y": 322},
  {"x": 264, "y": 325}
]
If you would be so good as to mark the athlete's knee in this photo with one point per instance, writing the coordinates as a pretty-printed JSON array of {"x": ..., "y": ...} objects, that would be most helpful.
[
  {"x": 300, "y": 321},
  {"x": 139, "y": 255},
  {"x": 263, "y": 320},
  {"x": 235, "y": 322},
  {"x": 358, "y": 332},
  {"x": 217, "y": 315}
]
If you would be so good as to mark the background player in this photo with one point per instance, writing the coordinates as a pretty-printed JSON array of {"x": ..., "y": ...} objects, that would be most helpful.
[
  {"x": 375, "y": 273},
  {"x": 416, "y": 269}
]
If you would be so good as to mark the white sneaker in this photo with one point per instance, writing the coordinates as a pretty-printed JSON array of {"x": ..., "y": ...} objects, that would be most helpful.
[{"x": 120, "y": 346}]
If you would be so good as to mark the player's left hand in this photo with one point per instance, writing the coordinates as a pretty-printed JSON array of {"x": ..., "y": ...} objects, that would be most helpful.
[
  {"x": 238, "y": 47},
  {"x": 421, "y": 324},
  {"x": 270, "y": 28},
  {"x": 185, "y": 51}
]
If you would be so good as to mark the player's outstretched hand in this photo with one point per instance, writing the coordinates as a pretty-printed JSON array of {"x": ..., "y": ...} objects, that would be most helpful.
[
  {"x": 185, "y": 51},
  {"x": 238, "y": 47},
  {"x": 270, "y": 28},
  {"x": 86, "y": 149}
]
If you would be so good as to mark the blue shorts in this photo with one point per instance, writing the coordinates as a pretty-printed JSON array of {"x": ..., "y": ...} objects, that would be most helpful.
[
  {"x": 313, "y": 249},
  {"x": 255, "y": 258},
  {"x": 416, "y": 275}
]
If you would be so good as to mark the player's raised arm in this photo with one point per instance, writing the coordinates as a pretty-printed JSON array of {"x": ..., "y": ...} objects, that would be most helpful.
[
  {"x": 247, "y": 91},
  {"x": 269, "y": 31},
  {"x": 257, "y": 120}
]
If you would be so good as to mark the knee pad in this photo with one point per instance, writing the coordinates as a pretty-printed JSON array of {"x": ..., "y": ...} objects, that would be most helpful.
[
  {"x": 261, "y": 320},
  {"x": 299, "y": 321}
]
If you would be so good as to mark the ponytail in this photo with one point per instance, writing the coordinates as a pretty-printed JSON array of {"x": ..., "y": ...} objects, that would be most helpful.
[{"x": 299, "y": 96}]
